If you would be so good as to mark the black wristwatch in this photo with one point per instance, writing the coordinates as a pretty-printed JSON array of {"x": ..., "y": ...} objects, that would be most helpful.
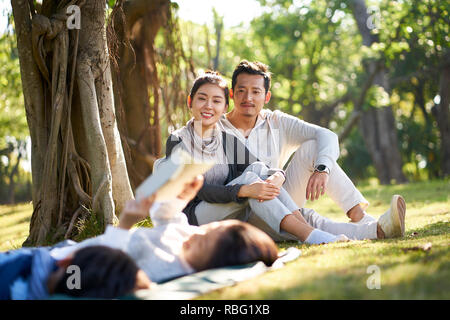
[{"x": 322, "y": 168}]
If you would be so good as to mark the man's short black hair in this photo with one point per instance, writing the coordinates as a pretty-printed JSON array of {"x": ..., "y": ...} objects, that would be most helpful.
[
  {"x": 105, "y": 273},
  {"x": 255, "y": 67}
]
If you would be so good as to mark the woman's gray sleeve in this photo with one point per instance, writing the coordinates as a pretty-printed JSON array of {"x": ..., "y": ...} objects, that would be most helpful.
[{"x": 215, "y": 193}]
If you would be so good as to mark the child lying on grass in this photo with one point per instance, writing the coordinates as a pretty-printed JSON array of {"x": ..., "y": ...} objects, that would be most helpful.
[{"x": 172, "y": 248}]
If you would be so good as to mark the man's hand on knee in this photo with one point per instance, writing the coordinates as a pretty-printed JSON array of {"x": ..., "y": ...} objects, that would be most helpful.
[{"x": 317, "y": 185}]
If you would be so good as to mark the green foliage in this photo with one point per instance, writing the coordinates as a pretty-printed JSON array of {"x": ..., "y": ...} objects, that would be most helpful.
[
  {"x": 316, "y": 56},
  {"x": 89, "y": 226},
  {"x": 420, "y": 149},
  {"x": 355, "y": 160},
  {"x": 147, "y": 223},
  {"x": 315, "y": 52},
  {"x": 111, "y": 3},
  {"x": 376, "y": 97},
  {"x": 13, "y": 124},
  {"x": 12, "y": 112}
]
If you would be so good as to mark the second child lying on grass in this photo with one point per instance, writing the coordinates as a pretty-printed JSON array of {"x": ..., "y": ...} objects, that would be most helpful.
[
  {"x": 90, "y": 272},
  {"x": 173, "y": 248}
]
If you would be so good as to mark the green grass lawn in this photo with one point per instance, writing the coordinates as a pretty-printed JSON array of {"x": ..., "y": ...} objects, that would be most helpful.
[
  {"x": 14, "y": 225},
  {"x": 340, "y": 271}
]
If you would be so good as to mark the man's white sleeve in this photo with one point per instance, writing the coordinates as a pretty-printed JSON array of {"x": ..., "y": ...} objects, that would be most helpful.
[{"x": 296, "y": 132}]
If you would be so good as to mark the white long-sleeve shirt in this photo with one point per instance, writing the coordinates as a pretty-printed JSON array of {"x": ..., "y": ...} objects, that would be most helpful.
[
  {"x": 157, "y": 250},
  {"x": 276, "y": 135}
]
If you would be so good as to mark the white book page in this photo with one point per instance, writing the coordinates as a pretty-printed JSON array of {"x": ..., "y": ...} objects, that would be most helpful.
[{"x": 170, "y": 178}]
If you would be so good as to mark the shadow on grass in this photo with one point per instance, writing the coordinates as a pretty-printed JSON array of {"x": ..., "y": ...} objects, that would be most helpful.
[
  {"x": 354, "y": 286},
  {"x": 13, "y": 232},
  {"x": 16, "y": 222},
  {"x": 403, "y": 254},
  {"x": 16, "y": 209},
  {"x": 351, "y": 283},
  {"x": 433, "y": 229}
]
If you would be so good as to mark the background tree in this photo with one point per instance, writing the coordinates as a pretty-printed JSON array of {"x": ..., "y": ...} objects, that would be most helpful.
[
  {"x": 419, "y": 74},
  {"x": 100, "y": 102},
  {"x": 132, "y": 31},
  {"x": 377, "y": 121},
  {"x": 78, "y": 165},
  {"x": 312, "y": 50},
  {"x": 146, "y": 55},
  {"x": 13, "y": 126},
  {"x": 218, "y": 26}
]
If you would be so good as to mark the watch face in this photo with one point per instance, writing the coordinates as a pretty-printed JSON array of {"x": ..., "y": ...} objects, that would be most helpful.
[{"x": 321, "y": 167}]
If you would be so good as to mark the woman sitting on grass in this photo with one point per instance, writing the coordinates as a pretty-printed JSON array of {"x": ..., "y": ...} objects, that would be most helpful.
[{"x": 239, "y": 186}]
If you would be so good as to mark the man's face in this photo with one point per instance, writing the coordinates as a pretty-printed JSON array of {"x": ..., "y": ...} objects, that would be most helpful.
[{"x": 249, "y": 95}]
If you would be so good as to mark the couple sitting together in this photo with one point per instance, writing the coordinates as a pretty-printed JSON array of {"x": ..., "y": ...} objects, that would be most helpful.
[{"x": 232, "y": 215}]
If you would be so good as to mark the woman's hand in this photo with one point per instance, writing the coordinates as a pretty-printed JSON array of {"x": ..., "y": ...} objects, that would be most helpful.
[
  {"x": 261, "y": 190},
  {"x": 277, "y": 179},
  {"x": 135, "y": 211}
]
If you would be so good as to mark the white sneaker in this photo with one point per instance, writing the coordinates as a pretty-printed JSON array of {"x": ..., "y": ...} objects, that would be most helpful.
[
  {"x": 365, "y": 219},
  {"x": 392, "y": 222},
  {"x": 341, "y": 238}
]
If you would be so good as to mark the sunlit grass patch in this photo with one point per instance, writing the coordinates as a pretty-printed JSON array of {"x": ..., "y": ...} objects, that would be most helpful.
[{"x": 14, "y": 225}]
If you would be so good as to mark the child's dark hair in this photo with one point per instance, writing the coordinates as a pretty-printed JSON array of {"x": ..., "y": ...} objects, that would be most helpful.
[
  {"x": 255, "y": 67},
  {"x": 212, "y": 77},
  {"x": 242, "y": 243},
  {"x": 105, "y": 273}
]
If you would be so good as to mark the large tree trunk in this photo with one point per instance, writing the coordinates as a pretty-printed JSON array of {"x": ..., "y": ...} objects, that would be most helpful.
[
  {"x": 97, "y": 101},
  {"x": 77, "y": 157},
  {"x": 378, "y": 124},
  {"x": 136, "y": 79}
]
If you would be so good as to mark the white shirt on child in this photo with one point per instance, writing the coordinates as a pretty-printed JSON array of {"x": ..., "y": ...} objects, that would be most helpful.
[{"x": 157, "y": 250}]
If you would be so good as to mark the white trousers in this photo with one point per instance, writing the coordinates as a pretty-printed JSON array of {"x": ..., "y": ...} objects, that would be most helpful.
[
  {"x": 267, "y": 215},
  {"x": 340, "y": 188},
  {"x": 271, "y": 211}
]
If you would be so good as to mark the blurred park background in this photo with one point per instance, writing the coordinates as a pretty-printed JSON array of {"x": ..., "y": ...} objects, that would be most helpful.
[{"x": 375, "y": 72}]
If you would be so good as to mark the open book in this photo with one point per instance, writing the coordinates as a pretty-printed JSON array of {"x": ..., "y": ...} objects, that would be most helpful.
[{"x": 172, "y": 174}]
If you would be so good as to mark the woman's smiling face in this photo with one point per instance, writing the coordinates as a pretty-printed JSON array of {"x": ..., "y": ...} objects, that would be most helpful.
[{"x": 208, "y": 105}]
